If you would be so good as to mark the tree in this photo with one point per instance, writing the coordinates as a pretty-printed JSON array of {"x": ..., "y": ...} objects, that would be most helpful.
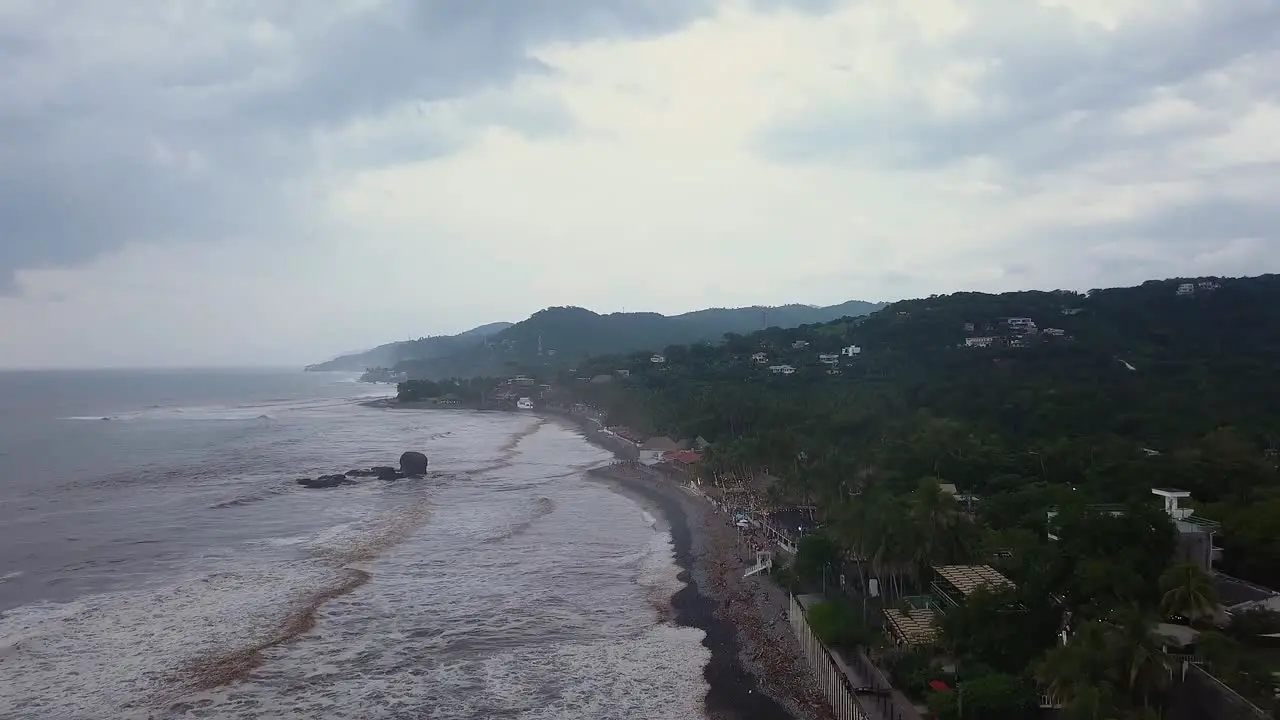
[
  {"x": 996, "y": 629},
  {"x": 1189, "y": 594}
]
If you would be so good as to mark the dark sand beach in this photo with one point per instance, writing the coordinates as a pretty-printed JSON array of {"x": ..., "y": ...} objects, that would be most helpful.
[{"x": 756, "y": 671}]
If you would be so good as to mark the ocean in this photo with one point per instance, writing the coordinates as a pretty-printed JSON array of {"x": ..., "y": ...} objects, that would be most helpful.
[{"x": 157, "y": 559}]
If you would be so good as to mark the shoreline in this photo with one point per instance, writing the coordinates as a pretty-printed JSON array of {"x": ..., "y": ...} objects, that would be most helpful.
[
  {"x": 735, "y": 688},
  {"x": 757, "y": 670}
]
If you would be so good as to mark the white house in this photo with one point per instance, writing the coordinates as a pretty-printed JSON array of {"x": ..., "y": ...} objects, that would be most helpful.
[
  {"x": 1072, "y": 311},
  {"x": 1208, "y": 285},
  {"x": 657, "y": 359},
  {"x": 828, "y": 358},
  {"x": 851, "y": 351},
  {"x": 979, "y": 341},
  {"x": 1021, "y": 324},
  {"x": 1187, "y": 289},
  {"x": 800, "y": 344},
  {"x": 760, "y": 358},
  {"x": 782, "y": 369},
  {"x": 1055, "y": 332}
]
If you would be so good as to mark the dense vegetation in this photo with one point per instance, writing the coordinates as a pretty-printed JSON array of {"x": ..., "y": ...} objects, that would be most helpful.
[
  {"x": 1133, "y": 388},
  {"x": 562, "y": 336},
  {"x": 424, "y": 348}
]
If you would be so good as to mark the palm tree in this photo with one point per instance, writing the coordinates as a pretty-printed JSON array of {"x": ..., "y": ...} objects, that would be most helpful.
[
  {"x": 938, "y": 521},
  {"x": 1136, "y": 656},
  {"x": 1069, "y": 673},
  {"x": 1188, "y": 593}
]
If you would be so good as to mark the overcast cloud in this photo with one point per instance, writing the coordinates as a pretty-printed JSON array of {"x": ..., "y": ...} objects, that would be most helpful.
[{"x": 185, "y": 182}]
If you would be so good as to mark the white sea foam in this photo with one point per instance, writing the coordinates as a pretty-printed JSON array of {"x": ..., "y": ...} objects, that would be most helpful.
[
  {"x": 103, "y": 655},
  {"x": 649, "y": 519},
  {"x": 658, "y": 573}
]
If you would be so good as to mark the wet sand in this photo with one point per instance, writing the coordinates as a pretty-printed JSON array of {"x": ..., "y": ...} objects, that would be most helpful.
[{"x": 756, "y": 671}]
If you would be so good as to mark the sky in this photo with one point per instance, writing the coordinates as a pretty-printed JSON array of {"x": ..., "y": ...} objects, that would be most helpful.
[{"x": 232, "y": 182}]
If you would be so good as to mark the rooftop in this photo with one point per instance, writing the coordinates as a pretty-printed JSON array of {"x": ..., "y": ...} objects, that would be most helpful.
[
  {"x": 1233, "y": 592},
  {"x": 968, "y": 578},
  {"x": 918, "y": 627},
  {"x": 1170, "y": 492}
]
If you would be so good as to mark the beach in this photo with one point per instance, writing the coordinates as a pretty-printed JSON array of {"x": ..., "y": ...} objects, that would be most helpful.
[{"x": 756, "y": 670}]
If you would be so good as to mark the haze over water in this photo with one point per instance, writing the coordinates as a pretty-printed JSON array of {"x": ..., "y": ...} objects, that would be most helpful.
[{"x": 147, "y": 557}]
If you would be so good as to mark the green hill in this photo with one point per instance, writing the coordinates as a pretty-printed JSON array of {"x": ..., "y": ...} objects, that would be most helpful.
[
  {"x": 1118, "y": 390},
  {"x": 562, "y": 337},
  {"x": 390, "y": 354}
]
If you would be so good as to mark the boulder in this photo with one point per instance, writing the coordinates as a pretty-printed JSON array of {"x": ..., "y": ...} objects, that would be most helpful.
[
  {"x": 389, "y": 473},
  {"x": 413, "y": 464}
]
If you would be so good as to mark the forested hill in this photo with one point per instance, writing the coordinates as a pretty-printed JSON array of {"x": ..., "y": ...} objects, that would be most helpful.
[
  {"x": 1113, "y": 392},
  {"x": 561, "y": 337},
  {"x": 390, "y": 354}
]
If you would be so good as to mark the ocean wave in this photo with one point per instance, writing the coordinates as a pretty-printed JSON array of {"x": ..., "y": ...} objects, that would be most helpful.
[
  {"x": 105, "y": 655},
  {"x": 541, "y": 507},
  {"x": 658, "y": 573},
  {"x": 253, "y": 497}
]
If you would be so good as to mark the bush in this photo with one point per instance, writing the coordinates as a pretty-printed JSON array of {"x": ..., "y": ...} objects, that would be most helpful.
[{"x": 837, "y": 626}]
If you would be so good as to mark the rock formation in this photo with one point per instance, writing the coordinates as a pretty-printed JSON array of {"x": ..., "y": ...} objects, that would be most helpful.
[{"x": 413, "y": 464}]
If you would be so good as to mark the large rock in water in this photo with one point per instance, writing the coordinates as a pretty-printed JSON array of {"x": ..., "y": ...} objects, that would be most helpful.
[{"x": 413, "y": 464}]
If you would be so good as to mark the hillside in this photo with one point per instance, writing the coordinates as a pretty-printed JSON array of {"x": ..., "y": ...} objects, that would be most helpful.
[
  {"x": 391, "y": 353},
  {"x": 562, "y": 337},
  {"x": 948, "y": 430},
  {"x": 1116, "y": 391}
]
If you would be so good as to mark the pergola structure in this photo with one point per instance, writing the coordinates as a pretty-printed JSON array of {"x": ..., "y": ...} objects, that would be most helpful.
[
  {"x": 912, "y": 628},
  {"x": 956, "y": 582}
]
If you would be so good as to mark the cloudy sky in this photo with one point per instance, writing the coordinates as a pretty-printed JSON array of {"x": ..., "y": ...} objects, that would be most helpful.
[{"x": 210, "y": 182}]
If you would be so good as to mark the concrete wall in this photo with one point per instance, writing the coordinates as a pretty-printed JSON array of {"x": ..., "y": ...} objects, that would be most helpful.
[{"x": 830, "y": 678}]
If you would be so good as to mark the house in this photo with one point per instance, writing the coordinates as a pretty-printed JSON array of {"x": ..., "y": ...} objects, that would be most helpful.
[
  {"x": 1018, "y": 343},
  {"x": 968, "y": 327},
  {"x": 1055, "y": 332},
  {"x": 523, "y": 381},
  {"x": 760, "y": 358},
  {"x": 657, "y": 359},
  {"x": 851, "y": 351},
  {"x": 1072, "y": 311},
  {"x": 985, "y": 341},
  {"x": 1208, "y": 285},
  {"x": 622, "y": 373},
  {"x": 1195, "y": 534},
  {"x": 829, "y": 359},
  {"x": 1186, "y": 289},
  {"x": 1020, "y": 324},
  {"x": 833, "y": 370},
  {"x": 700, "y": 443},
  {"x": 685, "y": 460},
  {"x": 800, "y": 344},
  {"x": 782, "y": 369},
  {"x": 653, "y": 449}
]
